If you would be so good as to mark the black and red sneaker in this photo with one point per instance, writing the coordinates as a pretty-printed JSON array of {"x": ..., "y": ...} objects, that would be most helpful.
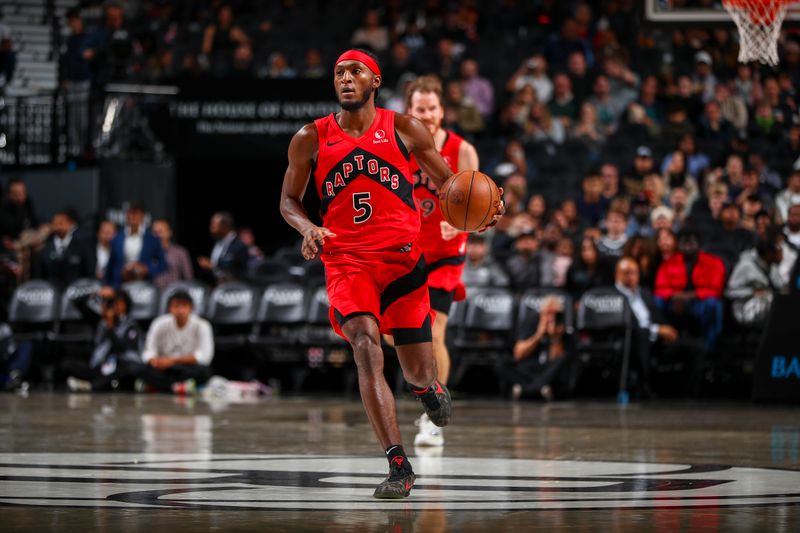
[
  {"x": 436, "y": 401},
  {"x": 398, "y": 484}
]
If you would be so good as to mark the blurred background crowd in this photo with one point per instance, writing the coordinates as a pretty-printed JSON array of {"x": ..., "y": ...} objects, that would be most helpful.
[{"x": 612, "y": 141}]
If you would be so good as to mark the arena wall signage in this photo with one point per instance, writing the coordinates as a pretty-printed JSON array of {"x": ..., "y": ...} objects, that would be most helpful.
[
  {"x": 254, "y": 119},
  {"x": 777, "y": 371}
]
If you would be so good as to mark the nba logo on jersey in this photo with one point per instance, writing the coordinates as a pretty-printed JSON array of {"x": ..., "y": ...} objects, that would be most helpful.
[{"x": 380, "y": 137}]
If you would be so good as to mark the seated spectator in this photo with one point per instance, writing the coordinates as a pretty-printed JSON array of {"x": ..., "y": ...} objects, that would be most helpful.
[
  {"x": 480, "y": 269},
  {"x": 667, "y": 245},
  {"x": 732, "y": 108},
  {"x": 591, "y": 204},
  {"x": 652, "y": 329},
  {"x": 220, "y": 39},
  {"x": 254, "y": 253},
  {"x": 460, "y": 112},
  {"x": 18, "y": 222},
  {"x": 714, "y": 126},
  {"x": 179, "y": 347},
  {"x": 477, "y": 88},
  {"x": 372, "y": 34},
  {"x": 705, "y": 215},
  {"x": 662, "y": 217},
  {"x": 537, "y": 209},
  {"x": 730, "y": 239},
  {"x": 532, "y": 72},
  {"x": 611, "y": 244},
  {"x": 654, "y": 189},
  {"x": 179, "y": 264},
  {"x": 524, "y": 266},
  {"x": 542, "y": 354},
  {"x": 643, "y": 165},
  {"x": 587, "y": 128},
  {"x": 15, "y": 361},
  {"x": 676, "y": 175},
  {"x": 644, "y": 251},
  {"x": 105, "y": 235},
  {"x": 608, "y": 108},
  {"x": 579, "y": 75},
  {"x": 565, "y": 251},
  {"x": 752, "y": 187},
  {"x": 279, "y": 67},
  {"x": 228, "y": 259},
  {"x": 689, "y": 288},
  {"x": 639, "y": 221},
  {"x": 791, "y": 230},
  {"x": 116, "y": 359},
  {"x": 754, "y": 280},
  {"x": 588, "y": 269},
  {"x": 112, "y": 48},
  {"x": 751, "y": 208},
  {"x": 542, "y": 127},
  {"x": 312, "y": 66},
  {"x": 610, "y": 176},
  {"x": 136, "y": 253},
  {"x": 680, "y": 205},
  {"x": 65, "y": 257},
  {"x": 562, "y": 105}
]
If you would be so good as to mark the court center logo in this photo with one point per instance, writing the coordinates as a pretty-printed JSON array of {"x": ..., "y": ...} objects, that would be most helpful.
[{"x": 283, "y": 482}]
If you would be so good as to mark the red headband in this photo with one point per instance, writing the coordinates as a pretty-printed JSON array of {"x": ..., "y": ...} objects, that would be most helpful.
[{"x": 360, "y": 56}]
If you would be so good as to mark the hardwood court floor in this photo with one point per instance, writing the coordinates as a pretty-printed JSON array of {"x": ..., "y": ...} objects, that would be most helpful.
[{"x": 158, "y": 463}]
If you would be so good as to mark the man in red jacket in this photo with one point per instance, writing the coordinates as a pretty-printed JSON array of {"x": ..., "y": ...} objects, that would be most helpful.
[{"x": 689, "y": 288}]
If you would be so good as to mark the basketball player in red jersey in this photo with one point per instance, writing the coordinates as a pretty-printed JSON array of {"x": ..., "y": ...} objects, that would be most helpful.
[
  {"x": 443, "y": 246},
  {"x": 374, "y": 269}
]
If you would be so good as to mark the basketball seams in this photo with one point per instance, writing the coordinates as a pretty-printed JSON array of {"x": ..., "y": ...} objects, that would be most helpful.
[
  {"x": 491, "y": 200},
  {"x": 469, "y": 199}
]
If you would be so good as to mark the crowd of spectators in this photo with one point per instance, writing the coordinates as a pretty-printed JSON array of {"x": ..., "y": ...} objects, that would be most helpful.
[{"x": 612, "y": 141}]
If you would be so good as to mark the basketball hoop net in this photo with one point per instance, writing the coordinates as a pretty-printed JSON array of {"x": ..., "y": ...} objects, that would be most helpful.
[{"x": 759, "y": 23}]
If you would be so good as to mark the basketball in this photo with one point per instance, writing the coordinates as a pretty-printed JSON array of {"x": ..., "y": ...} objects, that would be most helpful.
[{"x": 467, "y": 200}]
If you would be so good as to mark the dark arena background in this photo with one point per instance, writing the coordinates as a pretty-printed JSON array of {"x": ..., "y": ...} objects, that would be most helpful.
[{"x": 626, "y": 358}]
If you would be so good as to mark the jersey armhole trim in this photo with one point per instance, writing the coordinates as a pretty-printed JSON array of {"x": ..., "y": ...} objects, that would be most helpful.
[{"x": 402, "y": 146}]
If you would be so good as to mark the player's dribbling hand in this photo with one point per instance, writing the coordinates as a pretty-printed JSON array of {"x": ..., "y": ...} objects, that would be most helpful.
[
  {"x": 313, "y": 239},
  {"x": 448, "y": 232},
  {"x": 500, "y": 210}
]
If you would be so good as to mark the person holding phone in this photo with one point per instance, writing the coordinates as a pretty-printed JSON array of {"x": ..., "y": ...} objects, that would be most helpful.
[{"x": 542, "y": 354}]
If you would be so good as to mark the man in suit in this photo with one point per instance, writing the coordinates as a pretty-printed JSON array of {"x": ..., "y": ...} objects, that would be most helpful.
[
  {"x": 135, "y": 252},
  {"x": 229, "y": 256},
  {"x": 650, "y": 325},
  {"x": 65, "y": 256}
]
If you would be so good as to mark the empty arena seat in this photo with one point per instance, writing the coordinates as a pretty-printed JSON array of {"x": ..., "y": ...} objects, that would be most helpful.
[
  {"x": 231, "y": 309},
  {"x": 232, "y": 303},
  {"x": 280, "y": 322},
  {"x": 144, "y": 299},
  {"x": 319, "y": 331},
  {"x": 604, "y": 327},
  {"x": 483, "y": 338},
  {"x": 33, "y": 309},
  {"x": 196, "y": 290}
]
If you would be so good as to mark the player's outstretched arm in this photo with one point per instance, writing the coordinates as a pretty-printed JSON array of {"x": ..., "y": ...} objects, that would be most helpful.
[{"x": 302, "y": 151}]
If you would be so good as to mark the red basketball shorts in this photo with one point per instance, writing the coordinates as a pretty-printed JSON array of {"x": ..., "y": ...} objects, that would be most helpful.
[{"x": 390, "y": 286}]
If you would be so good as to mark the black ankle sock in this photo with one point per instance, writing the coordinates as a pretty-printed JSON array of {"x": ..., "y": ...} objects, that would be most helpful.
[{"x": 397, "y": 456}]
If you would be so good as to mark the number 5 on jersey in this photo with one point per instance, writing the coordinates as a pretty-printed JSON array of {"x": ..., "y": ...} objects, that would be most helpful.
[{"x": 362, "y": 207}]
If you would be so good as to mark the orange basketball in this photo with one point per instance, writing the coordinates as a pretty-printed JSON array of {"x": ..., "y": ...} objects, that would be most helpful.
[{"x": 467, "y": 200}]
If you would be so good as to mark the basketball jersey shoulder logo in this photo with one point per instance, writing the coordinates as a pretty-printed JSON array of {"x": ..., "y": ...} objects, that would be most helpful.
[{"x": 380, "y": 137}]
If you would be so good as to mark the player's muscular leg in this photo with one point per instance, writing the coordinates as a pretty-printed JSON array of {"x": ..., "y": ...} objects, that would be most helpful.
[
  {"x": 418, "y": 364},
  {"x": 440, "y": 348},
  {"x": 364, "y": 336}
]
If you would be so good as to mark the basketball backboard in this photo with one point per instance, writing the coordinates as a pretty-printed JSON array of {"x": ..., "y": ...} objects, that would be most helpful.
[{"x": 697, "y": 12}]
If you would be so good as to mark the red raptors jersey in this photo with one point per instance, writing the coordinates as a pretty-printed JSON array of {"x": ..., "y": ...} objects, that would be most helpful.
[
  {"x": 427, "y": 196},
  {"x": 365, "y": 187}
]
